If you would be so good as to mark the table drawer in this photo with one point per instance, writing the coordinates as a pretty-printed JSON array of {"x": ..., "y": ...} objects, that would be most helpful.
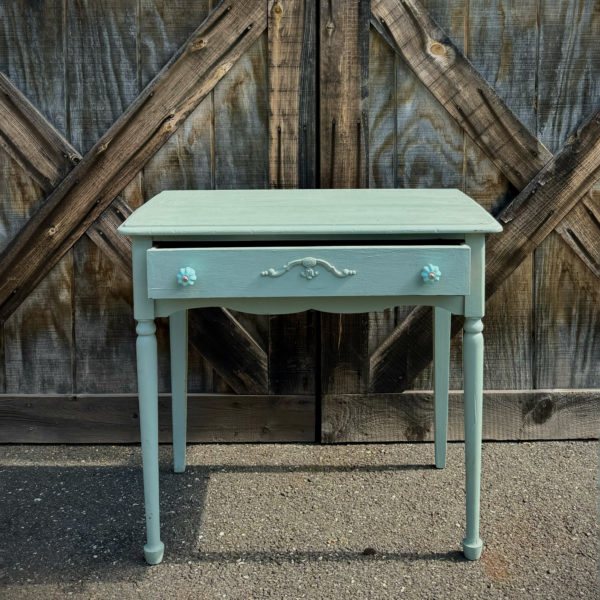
[{"x": 308, "y": 271}]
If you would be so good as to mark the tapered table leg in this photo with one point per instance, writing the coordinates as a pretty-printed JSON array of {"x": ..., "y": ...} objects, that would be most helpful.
[
  {"x": 441, "y": 382},
  {"x": 179, "y": 347},
  {"x": 148, "y": 393},
  {"x": 473, "y": 383}
]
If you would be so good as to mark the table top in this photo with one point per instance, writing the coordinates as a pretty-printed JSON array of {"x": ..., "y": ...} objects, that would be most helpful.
[{"x": 308, "y": 212}]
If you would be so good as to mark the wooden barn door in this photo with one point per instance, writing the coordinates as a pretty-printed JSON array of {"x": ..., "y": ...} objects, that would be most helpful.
[{"x": 134, "y": 97}]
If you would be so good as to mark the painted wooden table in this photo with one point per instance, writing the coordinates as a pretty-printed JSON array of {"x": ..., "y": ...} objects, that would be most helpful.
[{"x": 342, "y": 251}]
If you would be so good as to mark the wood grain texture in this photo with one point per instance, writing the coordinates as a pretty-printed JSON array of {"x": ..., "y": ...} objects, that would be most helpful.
[
  {"x": 114, "y": 419},
  {"x": 102, "y": 83},
  {"x": 544, "y": 203},
  {"x": 124, "y": 149},
  {"x": 430, "y": 148},
  {"x": 236, "y": 356},
  {"x": 344, "y": 159},
  {"x": 292, "y": 154},
  {"x": 186, "y": 159},
  {"x": 446, "y": 72},
  {"x": 38, "y": 341},
  {"x": 567, "y": 351},
  {"x": 501, "y": 46},
  {"x": 291, "y": 50},
  {"x": 507, "y": 415},
  {"x": 28, "y": 137},
  {"x": 344, "y": 79},
  {"x": 242, "y": 147}
]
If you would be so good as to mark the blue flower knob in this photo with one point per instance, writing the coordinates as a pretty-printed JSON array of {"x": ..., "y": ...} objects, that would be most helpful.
[
  {"x": 186, "y": 276},
  {"x": 431, "y": 273}
]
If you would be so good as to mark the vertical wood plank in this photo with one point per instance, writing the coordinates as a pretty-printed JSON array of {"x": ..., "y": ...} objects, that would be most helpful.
[
  {"x": 502, "y": 47},
  {"x": 567, "y": 319},
  {"x": 382, "y": 150},
  {"x": 430, "y": 148},
  {"x": 241, "y": 144},
  {"x": 185, "y": 161},
  {"x": 344, "y": 159},
  {"x": 291, "y": 76},
  {"x": 102, "y": 80},
  {"x": 37, "y": 339}
]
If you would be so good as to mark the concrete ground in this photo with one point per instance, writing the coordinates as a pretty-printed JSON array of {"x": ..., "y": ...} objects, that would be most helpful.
[{"x": 293, "y": 521}]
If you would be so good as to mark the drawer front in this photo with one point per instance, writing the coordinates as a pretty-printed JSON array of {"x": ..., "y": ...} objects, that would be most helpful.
[{"x": 308, "y": 271}]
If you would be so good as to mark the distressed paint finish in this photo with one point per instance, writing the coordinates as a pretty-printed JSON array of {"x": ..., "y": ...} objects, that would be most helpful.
[
  {"x": 227, "y": 274},
  {"x": 567, "y": 344},
  {"x": 37, "y": 344}
]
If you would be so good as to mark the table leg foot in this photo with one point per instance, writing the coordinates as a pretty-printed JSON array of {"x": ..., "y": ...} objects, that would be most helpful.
[
  {"x": 154, "y": 554},
  {"x": 472, "y": 550}
]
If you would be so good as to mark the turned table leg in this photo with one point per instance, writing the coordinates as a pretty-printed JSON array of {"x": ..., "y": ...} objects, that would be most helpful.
[
  {"x": 148, "y": 393},
  {"x": 473, "y": 383},
  {"x": 179, "y": 347},
  {"x": 441, "y": 382}
]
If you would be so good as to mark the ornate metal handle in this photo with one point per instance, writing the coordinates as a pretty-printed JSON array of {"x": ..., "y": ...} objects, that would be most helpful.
[
  {"x": 309, "y": 271},
  {"x": 186, "y": 276},
  {"x": 431, "y": 273}
]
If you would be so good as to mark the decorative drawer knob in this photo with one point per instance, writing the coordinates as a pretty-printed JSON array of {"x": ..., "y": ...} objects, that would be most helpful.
[
  {"x": 186, "y": 276},
  {"x": 431, "y": 273}
]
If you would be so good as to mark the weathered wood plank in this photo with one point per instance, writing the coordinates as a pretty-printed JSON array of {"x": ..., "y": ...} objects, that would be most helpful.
[
  {"x": 28, "y": 137},
  {"x": 292, "y": 149},
  {"x": 501, "y": 46},
  {"x": 439, "y": 63},
  {"x": 567, "y": 315},
  {"x": 236, "y": 356},
  {"x": 38, "y": 340},
  {"x": 114, "y": 419},
  {"x": 344, "y": 159},
  {"x": 344, "y": 93},
  {"x": 126, "y": 147},
  {"x": 465, "y": 94},
  {"x": 242, "y": 148},
  {"x": 544, "y": 203},
  {"x": 185, "y": 160},
  {"x": 291, "y": 35},
  {"x": 430, "y": 149},
  {"x": 102, "y": 82},
  {"x": 507, "y": 415},
  {"x": 118, "y": 249}
]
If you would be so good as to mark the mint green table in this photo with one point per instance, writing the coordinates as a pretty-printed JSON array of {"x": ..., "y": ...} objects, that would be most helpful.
[{"x": 273, "y": 252}]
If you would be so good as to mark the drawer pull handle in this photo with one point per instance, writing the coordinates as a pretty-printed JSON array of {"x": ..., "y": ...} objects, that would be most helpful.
[
  {"x": 431, "y": 273},
  {"x": 186, "y": 276},
  {"x": 309, "y": 271}
]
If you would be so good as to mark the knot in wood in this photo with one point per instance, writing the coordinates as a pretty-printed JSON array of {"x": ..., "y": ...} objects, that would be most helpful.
[
  {"x": 437, "y": 49},
  {"x": 330, "y": 27},
  {"x": 278, "y": 9},
  {"x": 199, "y": 44}
]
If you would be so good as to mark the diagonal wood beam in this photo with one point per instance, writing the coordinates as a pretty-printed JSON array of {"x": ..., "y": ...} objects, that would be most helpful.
[
  {"x": 48, "y": 158},
  {"x": 126, "y": 147},
  {"x": 543, "y": 204},
  {"x": 479, "y": 110}
]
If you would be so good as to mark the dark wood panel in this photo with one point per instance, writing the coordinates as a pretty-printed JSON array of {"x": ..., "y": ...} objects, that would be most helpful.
[
  {"x": 518, "y": 415},
  {"x": 344, "y": 159},
  {"x": 114, "y": 419},
  {"x": 38, "y": 339}
]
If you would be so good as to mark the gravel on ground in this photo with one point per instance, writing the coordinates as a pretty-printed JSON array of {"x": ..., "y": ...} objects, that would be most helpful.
[{"x": 293, "y": 521}]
